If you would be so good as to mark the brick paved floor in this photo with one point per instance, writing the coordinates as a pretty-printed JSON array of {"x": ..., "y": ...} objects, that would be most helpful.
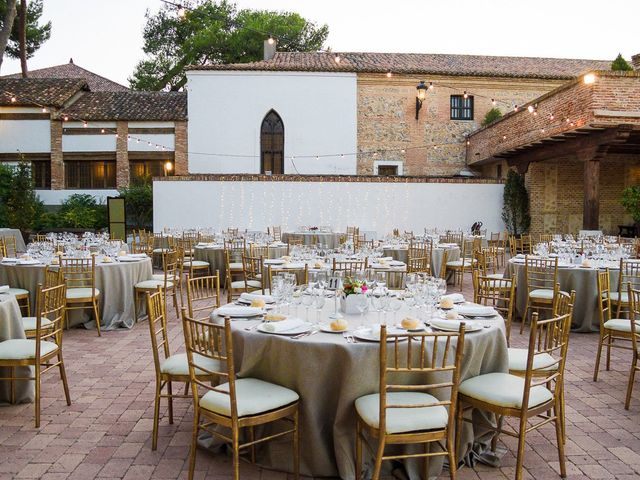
[{"x": 105, "y": 433}]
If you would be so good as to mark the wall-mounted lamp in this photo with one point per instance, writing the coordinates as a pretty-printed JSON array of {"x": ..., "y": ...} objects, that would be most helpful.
[
  {"x": 422, "y": 94},
  {"x": 168, "y": 167}
]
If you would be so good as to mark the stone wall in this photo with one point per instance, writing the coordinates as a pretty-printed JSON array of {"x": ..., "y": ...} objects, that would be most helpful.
[{"x": 386, "y": 119}]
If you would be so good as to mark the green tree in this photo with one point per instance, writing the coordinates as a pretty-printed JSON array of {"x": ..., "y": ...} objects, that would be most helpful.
[
  {"x": 620, "y": 64},
  {"x": 215, "y": 32},
  {"x": 491, "y": 116},
  {"x": 138, "y": 202},
  {"x": 631, "y": 202},
  {"x": 23, "y": 207},
  {"x": 81, "y": 211},
  {"x": 36, "y": 33},
  {"x": 515, "y": 208}
]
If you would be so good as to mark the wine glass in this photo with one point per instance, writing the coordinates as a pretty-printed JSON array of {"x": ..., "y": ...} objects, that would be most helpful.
[
  {"x": 394, "y": 305},
  {"x": 320, "y": 300},
  {"x": 307, "y": 299},
  {"x": 362, "y": 301}
]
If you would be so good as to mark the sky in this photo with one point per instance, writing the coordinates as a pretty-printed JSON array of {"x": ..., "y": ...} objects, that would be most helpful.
[{"x": 105, "y": 36}]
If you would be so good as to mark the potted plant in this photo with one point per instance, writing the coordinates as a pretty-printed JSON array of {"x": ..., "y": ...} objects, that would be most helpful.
[
  {"x": 515, "y": 208},
  {"x": 352, "y": 292},
  {"x": 630, "y": 201}
]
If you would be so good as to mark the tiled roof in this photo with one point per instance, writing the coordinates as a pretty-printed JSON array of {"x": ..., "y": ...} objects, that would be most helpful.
[
  {"x": 160, "y": 106},
  {"x": 96, "y": 82},
  {"x": 52, "y": 92},
  {"x": 419, "y": 63}
]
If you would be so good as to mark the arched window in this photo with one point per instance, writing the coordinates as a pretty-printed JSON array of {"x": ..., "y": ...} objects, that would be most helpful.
[{"x": 272, "y": 144}]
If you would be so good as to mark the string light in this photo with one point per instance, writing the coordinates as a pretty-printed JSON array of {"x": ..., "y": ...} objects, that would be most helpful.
[
  {"x": 493, "y": 102},
  {"x": 65, "y": 118},
  {"x": 515, "y": 108},
  {"x": 531, "y": 108},
  {"x": 271, "y": 41},
  {"x": 430, "y": 85},
  {"x": 84, "y": 124},
  {"x": 465, "y": 95},
  {"x": 182, "y": 12},
  {"x": 389, "y": 74},
  {"x": 337, "y": 58},
  {"x": 102, "y": 130},
  {"x": 14, "y": 99},
  {"x": 44, "y": 110}
]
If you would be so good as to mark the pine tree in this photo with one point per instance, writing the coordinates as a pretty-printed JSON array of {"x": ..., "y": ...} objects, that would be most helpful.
[
  {"x": 620, "y": 64},
  {"x": 515, "y": 208}
]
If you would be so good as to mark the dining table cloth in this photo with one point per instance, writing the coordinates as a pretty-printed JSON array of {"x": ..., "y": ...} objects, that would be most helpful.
[
  {"x": 17, "y": 234},
  {"x": 330, "y": 239},
  {"x": 329, "y": 374},
  {"x": 401, "y": 253},
  {"x": 10, "y": 329},
  {"x": 214, "y": 255}
]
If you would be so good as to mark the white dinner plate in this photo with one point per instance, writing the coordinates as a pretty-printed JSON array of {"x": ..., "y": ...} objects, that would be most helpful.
[
  {"x": 325, "y": 327},
  {"x": 454, "y": 325},
  {"x": 274, "y": 261},
  {"x": 368, "y": 335},
  {"x": 420, "y": 328},
  {"x": 238, "y": 312},
  {"x": 304, "y": 328},
  {"x": 469, "y": 312},
  {"x": 129, "y": 259}
]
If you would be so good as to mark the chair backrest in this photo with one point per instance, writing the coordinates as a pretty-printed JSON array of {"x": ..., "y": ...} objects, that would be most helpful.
[
  {"x": 604, "y": 296},
  {"x": 295, "y": 239},
  {"x": 629, "y": 275},
  {"x": 158, "y": 328},
  {"x": 540, "y": 273},
  {"x": 545, "y": 238},
  {"x": 259, "y": 250},
  {"x": 50, "y": 304},
  {"x": 350, "y": 267},
  {"x": 252, "y": 267},
  {"x": 79, "y": 272},
  {"x": 171, "y": 264},
  {"x": 452, "y": 237},
  {"x": 276, "y": 233},
  {"x": 634, "y": 318},
  {"x": 203, "y": 295},
  {"x": 563, "y": 302},
  {"x": 9, "y": 246},
  {"x": 524, "y": 244},
  {"x": 52, "y": 276},
  {"x": 214, "y": 342},
  {"x": 236, "y": 248},
  {"x": 499, "y": 293},
  {"x": 419, "y": 256},
  {"x": 443, "y": 264},
  {"x": 412, "y": 360},
  {"x": 302, "y": 274}
]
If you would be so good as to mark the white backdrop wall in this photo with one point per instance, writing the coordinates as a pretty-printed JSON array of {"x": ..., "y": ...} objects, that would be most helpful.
[
  {"x": 372, "y": 206},
  {"x": 226, "y": 109}
]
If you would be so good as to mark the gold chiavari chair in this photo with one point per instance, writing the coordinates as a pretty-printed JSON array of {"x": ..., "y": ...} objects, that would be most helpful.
[
  {"x": 524, "y": 245},
  {"x": 634, "y": 323},
  {"x": 240, "y": 403},
  {"x": 396, "y": 232},
  {"x": 452, "y": 237},
  {"x": 142, "y": 243},
  {"x": 203, "y": 295},
  {"x": 190, "y": 265},
  {"x": 295, "y": 239},
  {"x": 233, "y": 232},
  {"x": 169, "y": 368},
  {"x": 276, "y": 233},
  {"x": 10, "y": 247},
  {"x": 349, "y": 267},
  {"x": 629, "y": 275},
  {"x": 259, "y": 251},
  {"x": 541, "y": 275},
  {"x": 498, "y": 293},
  {"x": 80, "y": 277},
  {"x": 464, "y": 264},
  {"x": 545, "y": 238},
  {"x": 443, "y": 264},
  {"x": 419, "y": 257},
  {"x": 169, "y": 283},
  {"x": 52, "y": 278},
  {"x": 360, "y": 242},
  {"x": 252, "y": 268},
  {"x": 235, "y": 288},
  {"x": 22, "y": 295},
  {"x": 42, "y": 352},
  {"x": 408, "y": 413},
  {"x": 236, "y": 248},
  {"x": 302, "y": 275},
  {"x": 532, "y": 397},
  {"x": 39, "y": 237}
]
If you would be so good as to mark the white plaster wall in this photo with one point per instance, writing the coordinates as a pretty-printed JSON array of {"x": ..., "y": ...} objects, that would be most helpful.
[
  {"x": 27, "y": 136},
  {"x": 56, "y": 197},
  {"x": 164, "y": 140},
  {"x": 102, "y": 142},
  {"x": 226, "y": 109},
  {"x": 151, "y": 124},
  {"x": 378, "y": 207}
]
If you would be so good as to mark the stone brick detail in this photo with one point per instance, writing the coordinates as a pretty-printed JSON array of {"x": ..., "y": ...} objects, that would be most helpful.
[
  {"x": 57, "y": 160},
  {"x": 181, "y": 159},
  {"x": 122, "y": 154}
]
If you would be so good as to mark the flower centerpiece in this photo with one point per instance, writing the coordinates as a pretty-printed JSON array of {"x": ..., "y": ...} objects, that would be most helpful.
[
  {"x": 352, "y": 290},
  {"x": 313, "y": 229}
]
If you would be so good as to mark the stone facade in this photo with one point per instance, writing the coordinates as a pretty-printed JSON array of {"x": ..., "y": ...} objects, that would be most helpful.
[
  {"x": 181, "y": 158},
  {"x": 122, "y": 155},
  {"x": 434, "y": 144},
  {"x": 57, "y": 160}
]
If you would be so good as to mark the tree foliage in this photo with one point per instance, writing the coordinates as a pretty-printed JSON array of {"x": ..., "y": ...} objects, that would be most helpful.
[
  {"x": 631, "y": 201},
  {"x": 37, "y": 33},
  {"x": 515, "y": 208},
  {"x": 20, "y": 206},
  {"x": 491, "y": 116},
  {"x": 215, "y": 32},
  {"x": 138, "y": 202},
  {"x": 620, "y": 64},
  {"x": 81, "y": 210}
]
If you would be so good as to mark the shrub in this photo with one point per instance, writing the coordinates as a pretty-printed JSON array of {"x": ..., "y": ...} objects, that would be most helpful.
[
  {"x": 631, "y": 202},
  {"x": 81, "y": 211},
  {"x": 138, "y": 201},
  {"x": 491, "y": 116},
  {"x": 620, "y": 64},
  {"x": 20, "y": 206},
  {"x": 515, "y": 209}
]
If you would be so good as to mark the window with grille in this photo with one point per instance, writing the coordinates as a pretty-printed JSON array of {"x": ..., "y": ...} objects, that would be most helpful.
[
  {"x": 41, "y": 172},
  {"x": 145, "y": 170},
  {"x": 272, "y": 144},
  {"x": 461, "y": 108},
  {"x": 90, "y": 174},
  {"x": 388, "y": 170}
]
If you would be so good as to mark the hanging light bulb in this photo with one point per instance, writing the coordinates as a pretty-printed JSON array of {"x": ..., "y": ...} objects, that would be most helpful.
[
  {"x": 44, "y": 110},
  {"x": 182, "y": 12},
  {"x": 84, "y": 124},
  {"x": 402, "y": 151},
  {"x": 465, "y": 95},
  {"x": 337, "y": 58},
  {"x": 65, "y": 118},
  {"x": 102, "y": 130},
  {"x": 504, "y": 137},
  {"x": 13, "y": 99},
  {"x": 389, "y": 74},
  {"x": 531, "y": 109},
  {"x": 137, "y": 140},
  {"x": 551, "y": 117},
  {"x": 117, "y": 136},
  {"x": 128, "y": 138},
  {"x": 493, "y": 102},
  {"x": 515, "y": 108}
]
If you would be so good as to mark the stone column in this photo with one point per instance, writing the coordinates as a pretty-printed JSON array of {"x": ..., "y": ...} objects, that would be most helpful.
[
  {"x": 181, "y": 159},
  {"x": 122, "y": 154},
  {"x": 57, "y": 160},
  {"x": 591, "y": 208}
]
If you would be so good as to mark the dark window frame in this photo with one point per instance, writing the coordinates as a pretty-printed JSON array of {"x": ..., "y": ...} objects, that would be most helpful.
[
  {"x": 272, "y": 143},
  {"x": 395, "y": 168},
  {"x": 152, "y": 168},
  {"x": 81, "y": 175},
  {"x": 461, "y": 108},
  {"x": 41, "y": 173}
]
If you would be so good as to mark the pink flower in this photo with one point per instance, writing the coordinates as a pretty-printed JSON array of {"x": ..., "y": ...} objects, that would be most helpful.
[{"x": 364, "y": 289}]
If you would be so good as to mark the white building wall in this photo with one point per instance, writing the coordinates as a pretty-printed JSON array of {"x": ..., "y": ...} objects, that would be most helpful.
[
  {"x": 226, "y": 109},
  {"x": 104, "y": 142},
  {"x": 164, "y": 140},
  {"x": 378, "y": 207},
  {"x": 56, "y": 197},
  {"x": 26, "y": 136}
]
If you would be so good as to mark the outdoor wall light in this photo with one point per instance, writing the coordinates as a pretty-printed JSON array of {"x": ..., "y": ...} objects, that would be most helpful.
[
  {"x": 422, "y": 94},
  {"x": 589, "y": 78},
  {"x": 168, "y": 167}
]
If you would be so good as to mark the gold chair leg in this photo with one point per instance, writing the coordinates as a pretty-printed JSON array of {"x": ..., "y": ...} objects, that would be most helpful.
[
  {"x": 156, "y": 416},
  {"x": 452, "y": 454},
  {"x": 63, "y": 377},
  {"x": 522, "y": 433},
  {"x": 13, "y": 385},
  {"x": 170, "y": 392},
  {"x": 296, "y": 445},
  {"x": 559, "y": 439},
  {"x": 377, "y": 468},
  {"x": 609, "y": 344},
  {"x": 632, "y": 377},
  {"x": 252, "y": 437},
  {"x": 358, "y": 449},
  {"x": 596, "y": 369},
  {"x": 236, "y": 455},
  {"x": 194, "y": 443},
  {"x": 135, "y": 305},
  {"x": 496, "y": 436},
  {"x": 96, "y": 313},
  {"x": 425, "y": 462},
  {"x": 524, "y": 316},
  {"x": 37, "y": 402}
]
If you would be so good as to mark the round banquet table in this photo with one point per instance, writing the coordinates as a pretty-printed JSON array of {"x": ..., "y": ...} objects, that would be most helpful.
[
  {"x": 11, "y": 328},
  {"x": 330, "y": 239},
  {"x": 114, "y": 280},
  {"x": 401, "y": 254},
  {"x": 329, "y": 374},
  {"x": 17, "y": 234},
  {"x": 215, "y": 256},
  {"x": 583, "y": 280}
]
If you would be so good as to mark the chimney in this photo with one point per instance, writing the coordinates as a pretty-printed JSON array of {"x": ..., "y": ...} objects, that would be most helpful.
[
  {"x": 270, "y": 46},
  {"x": 635, "y": 61}
]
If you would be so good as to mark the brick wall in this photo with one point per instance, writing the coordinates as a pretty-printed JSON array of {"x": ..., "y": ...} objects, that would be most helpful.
[
  {"x": 386, "y": 119},
  {"x": 181, "y": 160},
  {"x": 122, "y": 155},
  {"x": 57, "y": 161}
]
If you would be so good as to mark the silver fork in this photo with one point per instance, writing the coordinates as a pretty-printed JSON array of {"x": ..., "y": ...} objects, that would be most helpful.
[{"x": 347, "y": 337}]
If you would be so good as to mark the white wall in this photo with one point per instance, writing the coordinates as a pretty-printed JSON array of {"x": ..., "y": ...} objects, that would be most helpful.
[
  {"x": 166, "y": 140},
  {"x": 26, "y": 136},
  {"x": 56, "y": 197},
  {"x": 226, "y": 109},
  {"x": 379, "y": 207}
]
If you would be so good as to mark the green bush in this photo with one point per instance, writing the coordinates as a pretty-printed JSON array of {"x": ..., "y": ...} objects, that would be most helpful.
[
  {"x": 491, "y": 116},
  {"x": 631, "y": 202},
  {"x": 620, "y": 64},
  {"x": 20, "y": 207},
  {"x": 515, "y": 208},
  {"x": 81, "y": 211},
  {"x": 138, "y": 201}
]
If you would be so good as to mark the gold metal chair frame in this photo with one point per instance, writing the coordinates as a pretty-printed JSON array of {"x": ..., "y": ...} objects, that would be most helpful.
[
  {"x": 171, "y": 283},
  {"x": 540, "y": 274},
  {"x": 200, "y": 290},
  {"x": 634, "y": 299},
  {"x": 350, "y": 267},
  {"x": 81, "y": 273},
  {"x": 499, "y": 293}
]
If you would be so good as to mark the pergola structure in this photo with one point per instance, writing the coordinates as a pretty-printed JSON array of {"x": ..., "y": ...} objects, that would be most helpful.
[{"x": 595, "y": 116}]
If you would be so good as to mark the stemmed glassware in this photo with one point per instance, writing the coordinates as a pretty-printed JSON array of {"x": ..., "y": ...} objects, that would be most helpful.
[
  {"x": 320, "y": 300},
  {"x": 307, "y": 298}
]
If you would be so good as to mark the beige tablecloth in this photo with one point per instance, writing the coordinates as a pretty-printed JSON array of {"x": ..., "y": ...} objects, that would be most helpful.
[
  {"x": 330, "y": 239},
  {"x": 15, "y": 233},
  {"x": 215, "y": 257},
  {"x": 583, "y": 280},
  {"x": 399, "y": 253},
  {"x": 11, "y": 328},
  {"x": 114, "y": 280},
  {"x": 329, "y": 374}
]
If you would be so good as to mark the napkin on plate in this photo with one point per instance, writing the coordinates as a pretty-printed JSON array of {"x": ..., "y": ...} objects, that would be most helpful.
[
  {"x": 451, "y": 325},
  {"x": 137, "y": 255},
  {"x": 396, "y": 263},
  {"x": 283, "y": 326},
  {"x": 237, "y": 311},
  {"x": 455, "y": 297},
  {"x": 4, "y": 288},
  {"x": 472, "y": 310},
  {"x": 386, "y": 259},
  {"x": 250, "y": 297}
]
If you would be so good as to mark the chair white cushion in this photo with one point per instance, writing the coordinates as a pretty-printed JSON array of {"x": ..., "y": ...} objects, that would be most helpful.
[
  {"x": 518, "y": 360},
  {"x": 178, "y": 364},
  {"x": 22, "y": 349},
  {"x": 503, "y": 389},
  {"x": 196, "y": 263},
  {"x": 496, "y": 275},
  {"x": 401, "y": 420},
  {"x": 250, "y": 283},
  {"x": 18, "y": 291},
  {"x": 153, "y": 284},
  {"x": 454, "y": 263},
  {"x": 29, "y": 323},
  {"x": 615, "y": 297},
  {"x": 158, "y": 276},
  {"x": 542, "y": 293},
  {"x": 621, "y": 325},
  {"x": 253, "y": 397},
  {"x": 75, "y": 293},
  {"x": 160, "y": 250},
  {"x": 236, "y": 266}
]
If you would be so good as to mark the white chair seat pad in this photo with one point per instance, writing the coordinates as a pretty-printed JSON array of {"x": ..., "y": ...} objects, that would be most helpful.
[
  {"x": 196, "y": 263},
  {"x": 153, "y": 284},
  {"x": 400, "y": 420},
  {"x": 518, "y": 360},
  {"x": 77, "y": 293},
  {"x": 18, "y": 291},
  {"x": 160, "y": 250},
  {"x": 503, "y": 390},
  {"x": 250, "y": 283},
  {"x": 158, "y": 276},
  {"x": 23, "y": 349},
  {"x": 29, "y": 323},
  {"x": 615, "y": 297},
  {"x": 179, "y": 365},
  {"x": 542, "y": 293},
  {"x": 236, "y": 266},
  {"x": 455, "y": 263},
  {"x": 496, "y": 275},
  {"x": 621, "y": 325},
  {"x": 253, "y": 397}
]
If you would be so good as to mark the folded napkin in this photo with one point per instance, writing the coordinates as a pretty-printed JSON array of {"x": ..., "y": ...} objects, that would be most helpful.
[
  {"x": 137, "y": 255},
  {"x": 450, "y": 325},
  {"x": 4, "y": 288},
  {"x": 237, "y": 311},
  {"x": 274, "y": 261},
  {"x": 396, "y": 263},
  {"x": 475, "y": 310},
  {"x": 455, "y": 297},
  {"x": 386, "y": 259},
  {"x": 380, "y": 265},
  {"x": 283, "y": 326},
  {"x": 9, "y": 259},
  {"x": 250, "y": 297},
  {"x": 520, "y": 255}
]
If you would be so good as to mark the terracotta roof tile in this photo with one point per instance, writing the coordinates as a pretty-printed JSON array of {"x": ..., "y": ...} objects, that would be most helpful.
[
  {"x": 419, "y": 63},
  {"x": 159, "y": 106},
  {"x": 52, "y": 92}
]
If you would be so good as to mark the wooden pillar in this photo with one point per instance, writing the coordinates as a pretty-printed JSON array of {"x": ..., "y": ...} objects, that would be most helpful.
[{"x": 591, "y": 208}]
